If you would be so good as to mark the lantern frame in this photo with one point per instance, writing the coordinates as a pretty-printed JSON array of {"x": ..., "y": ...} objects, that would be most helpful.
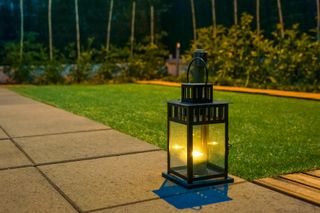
[{"x": 195, "y": 108}]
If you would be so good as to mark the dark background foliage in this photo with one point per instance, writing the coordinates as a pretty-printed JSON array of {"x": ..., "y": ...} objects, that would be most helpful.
[{"x": 172, "y": 16}]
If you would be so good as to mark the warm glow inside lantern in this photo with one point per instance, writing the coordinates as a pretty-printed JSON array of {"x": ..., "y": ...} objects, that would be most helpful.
[{"x": 197, "y": 136}]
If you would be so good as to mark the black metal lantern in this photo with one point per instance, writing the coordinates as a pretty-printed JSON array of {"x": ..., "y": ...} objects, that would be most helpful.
[{"x": 197, "y": 133}]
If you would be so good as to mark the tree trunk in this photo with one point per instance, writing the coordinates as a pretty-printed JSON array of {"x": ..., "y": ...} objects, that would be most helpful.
[
  {"x": 152, "y": 24},
  {"x": 21, "y": 29},
  {"x": 194, "y": 26},
  {"x": 50, "y": 29},
  {"x": 318, "y": 20},
  {"x": 77, "y": 28},
  {"x": 235, "y": 11},
  {"x": 258, "y": 17},
  {"x": 214, "y": 22},
  {"x": 280, "y": 18},
  {"x": 109, "y": 26},
  {"x": 132, "y": 25}
]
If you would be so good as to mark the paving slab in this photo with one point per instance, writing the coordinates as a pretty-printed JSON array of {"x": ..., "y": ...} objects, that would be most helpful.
[
  {"x": 72, "y": 146},
  {"x": 6, "y": 92},
  {"x": 106, "y": 182},
  {"x": 111, "y": 181},
  {"x": 10, "y": 98},
  {"x": 246, "y": 197},
  {"x": 3, "y": 134},
  {"x": 11, "y": 156},
  {"x": 38, "y": 119},
  {"x": 26, "y": 190}
]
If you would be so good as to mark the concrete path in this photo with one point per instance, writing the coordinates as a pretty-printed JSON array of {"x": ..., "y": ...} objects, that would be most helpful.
[{"x": 55, "y": 161}]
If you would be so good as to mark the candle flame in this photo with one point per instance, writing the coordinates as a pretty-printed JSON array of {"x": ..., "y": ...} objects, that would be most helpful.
[{"x": 197, "y": 154}]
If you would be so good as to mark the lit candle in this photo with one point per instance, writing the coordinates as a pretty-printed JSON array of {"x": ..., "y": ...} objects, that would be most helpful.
[
  {"x": 200, "y": 150},
  {"x": 197, "y": 154}
]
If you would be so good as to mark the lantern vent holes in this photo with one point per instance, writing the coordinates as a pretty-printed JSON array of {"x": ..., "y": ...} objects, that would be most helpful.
[
  {"x": 196, "y": 93},
  {"x": 199, "y": 115}
]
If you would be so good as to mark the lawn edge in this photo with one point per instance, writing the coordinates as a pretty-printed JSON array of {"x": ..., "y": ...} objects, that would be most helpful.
[{"x": 279, "y": 93}]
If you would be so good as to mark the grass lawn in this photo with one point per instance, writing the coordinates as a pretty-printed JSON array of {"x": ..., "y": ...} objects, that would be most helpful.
[{"x": 269, "y": 135}]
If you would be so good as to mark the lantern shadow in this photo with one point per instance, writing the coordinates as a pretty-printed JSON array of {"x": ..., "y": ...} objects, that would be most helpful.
[{"x": 183, "y": 198}]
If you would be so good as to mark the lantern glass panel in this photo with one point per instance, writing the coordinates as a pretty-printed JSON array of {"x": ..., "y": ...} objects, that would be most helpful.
[
  {"x": 178, "y": 147},
  {"x": 208, "y": 149}
]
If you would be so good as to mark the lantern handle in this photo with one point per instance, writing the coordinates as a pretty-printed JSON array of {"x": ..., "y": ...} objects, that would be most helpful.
[{"x": 205, "y": 67}]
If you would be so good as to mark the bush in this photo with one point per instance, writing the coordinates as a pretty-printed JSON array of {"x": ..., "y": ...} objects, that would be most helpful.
[
  {"x": 52, "y": 73},
  {"x": 147, "y": 62},
  {"x": 24, "y": 69},
  {"x": 81, "y": 71},
  {"x": 238, "y": 56}
]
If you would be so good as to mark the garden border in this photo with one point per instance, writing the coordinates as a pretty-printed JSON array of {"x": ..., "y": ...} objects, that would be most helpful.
[{"x": 280, "y": 93}]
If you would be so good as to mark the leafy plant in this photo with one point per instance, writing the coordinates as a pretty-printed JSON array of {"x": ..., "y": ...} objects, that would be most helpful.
[
  {"x": 52, "y": 73},
  {"x": 83, "y": 66},
  {"x": 147, "y": 62},
  {"x": 114, "y": 65},
  {"x": 23, "y": 70},
  {"x": 296, "y": 58},
  {"x": 240, "y": 56}
]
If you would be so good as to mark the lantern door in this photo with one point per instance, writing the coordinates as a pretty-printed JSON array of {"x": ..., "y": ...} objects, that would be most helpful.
[
  {"x": 209, "y": 151},
  {"x": 177, "y": 159}
]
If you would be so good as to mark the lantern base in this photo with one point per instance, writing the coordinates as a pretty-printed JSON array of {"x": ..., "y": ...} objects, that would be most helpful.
[{"x": 196, "y": 184}]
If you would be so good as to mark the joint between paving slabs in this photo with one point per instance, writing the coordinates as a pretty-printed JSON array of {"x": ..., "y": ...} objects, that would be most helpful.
[
  {"x": 151, "y": 199},
  {"x": 49, "y": 181},
  {"x": 146, "y": 200},
  {"x": 3, "y": 139},
  {"x": 16, "y": 167},
  {"x": 34, "y": 165},
  {"x": 96, "y": 157},
  {"x": 8, "y": 137},
  {"x": 73, "y": 204},
  {"x": 69, "y": 200},
  {"x": 59, "y": 191},
  {"x": 63, "y": 133},
  {"x": 18, "y": 146},
  {"x": 121, "y": 205}
]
